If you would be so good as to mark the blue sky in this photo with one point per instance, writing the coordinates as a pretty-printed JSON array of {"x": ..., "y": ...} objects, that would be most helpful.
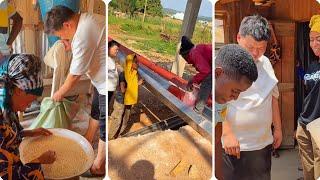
[{"x": 180, "y": 5}]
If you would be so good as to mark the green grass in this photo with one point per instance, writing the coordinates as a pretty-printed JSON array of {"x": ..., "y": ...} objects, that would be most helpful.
[{"x": 147, "y": 35}]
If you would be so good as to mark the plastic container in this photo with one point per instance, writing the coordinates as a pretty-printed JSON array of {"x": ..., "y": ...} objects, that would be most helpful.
[
  {"x": 85, "y": 145},
  {"x": 190, "y": 98}
]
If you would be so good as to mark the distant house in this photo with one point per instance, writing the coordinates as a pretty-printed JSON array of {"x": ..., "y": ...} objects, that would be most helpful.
[
  {"x": 204, "y": 23},
  {"x": 178, "y": 15}
]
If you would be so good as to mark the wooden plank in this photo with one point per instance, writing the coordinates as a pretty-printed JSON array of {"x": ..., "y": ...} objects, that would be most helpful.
[
  {"x": 281, "y": 9},
  {"x": 235, "y": 20},
  {"x": 287, "y": 117},
  {"x": 287, "y": 98},
  {"x": 300, "y": 9},
  {"x": 285, "y": 87},
  {"x": 283, "y": 28},
  {"x": 218, "y": 6},
  {"x": 288, "y": 58},
  {"x": 278, "y": 66},
  {"x": 224, "y": 15},
  {"x": 286, "y": 38},
  {"x": 303, "y": 10},
  {"x": 296, "y": 10},
  {"x": 278, "y": 71}
]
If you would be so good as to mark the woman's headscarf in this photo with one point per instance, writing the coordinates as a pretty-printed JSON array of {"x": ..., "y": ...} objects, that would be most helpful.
[
  {"x": 22, "y": 71},
  {"x": 315, "y": 23}
]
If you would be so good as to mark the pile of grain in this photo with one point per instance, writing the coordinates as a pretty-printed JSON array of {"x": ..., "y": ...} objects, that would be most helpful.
[
  {"x": 182, "y": 154},
  {"x": 70, "y": 157}
]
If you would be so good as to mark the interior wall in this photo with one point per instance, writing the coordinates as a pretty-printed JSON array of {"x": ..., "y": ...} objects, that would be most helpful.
[{"x": 296, "y": 10}]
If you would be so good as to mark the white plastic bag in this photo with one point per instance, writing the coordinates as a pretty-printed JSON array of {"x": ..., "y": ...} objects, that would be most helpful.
[{"x": 190, "y": 98}]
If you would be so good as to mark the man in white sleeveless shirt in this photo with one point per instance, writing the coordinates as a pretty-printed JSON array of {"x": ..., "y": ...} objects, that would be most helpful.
[{"x": 247, "y": 136}]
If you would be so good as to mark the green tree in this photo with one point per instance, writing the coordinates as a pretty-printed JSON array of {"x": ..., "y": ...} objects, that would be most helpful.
[
  {"x": 113, "y": 4},
  {"x": 132, "y": 7},
  {"x": 154, "y": 7}
]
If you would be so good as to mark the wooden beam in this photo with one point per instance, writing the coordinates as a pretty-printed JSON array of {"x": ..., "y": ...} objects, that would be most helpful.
[{"x": 227, "y": 1}]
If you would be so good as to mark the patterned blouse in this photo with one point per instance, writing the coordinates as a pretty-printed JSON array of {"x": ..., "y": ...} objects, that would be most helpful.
[{"x": 11, "y": 166}]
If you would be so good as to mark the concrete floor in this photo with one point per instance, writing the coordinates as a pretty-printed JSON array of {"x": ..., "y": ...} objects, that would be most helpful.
[{"x": 286, "y": 166}]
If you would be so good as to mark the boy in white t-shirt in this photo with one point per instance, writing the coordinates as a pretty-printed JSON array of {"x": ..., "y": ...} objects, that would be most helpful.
[
  {"x": 235, "y": 71},
  {"x": 86, "y": 35}
]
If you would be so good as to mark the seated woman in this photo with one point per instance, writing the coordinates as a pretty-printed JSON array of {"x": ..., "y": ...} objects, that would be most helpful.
[{"x": 20, "y": 84}]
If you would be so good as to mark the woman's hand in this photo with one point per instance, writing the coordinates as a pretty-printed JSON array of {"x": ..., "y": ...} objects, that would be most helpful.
[
  {"x": 46, "y": 158},
  {"x": 37, "y": 132}
]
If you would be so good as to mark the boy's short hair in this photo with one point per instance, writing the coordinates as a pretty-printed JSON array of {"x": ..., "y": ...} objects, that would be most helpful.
[
  {"x": 113, "y": 43},
  {"x": 236, "y": 62},
  {"x": 56, "y": 17},
  {"x": 255, "y": 26}
]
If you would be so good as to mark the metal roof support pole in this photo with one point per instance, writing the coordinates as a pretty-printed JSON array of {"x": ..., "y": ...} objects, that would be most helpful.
[{"x": 188, "y": 26}]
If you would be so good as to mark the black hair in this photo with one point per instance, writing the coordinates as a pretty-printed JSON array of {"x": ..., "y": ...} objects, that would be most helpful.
[
  {"x": 236, "y": 62},
  {"x": 56, "y": 17},
  {"x": 255, "y": 26},
  {"x": 113, "y": 43}
]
